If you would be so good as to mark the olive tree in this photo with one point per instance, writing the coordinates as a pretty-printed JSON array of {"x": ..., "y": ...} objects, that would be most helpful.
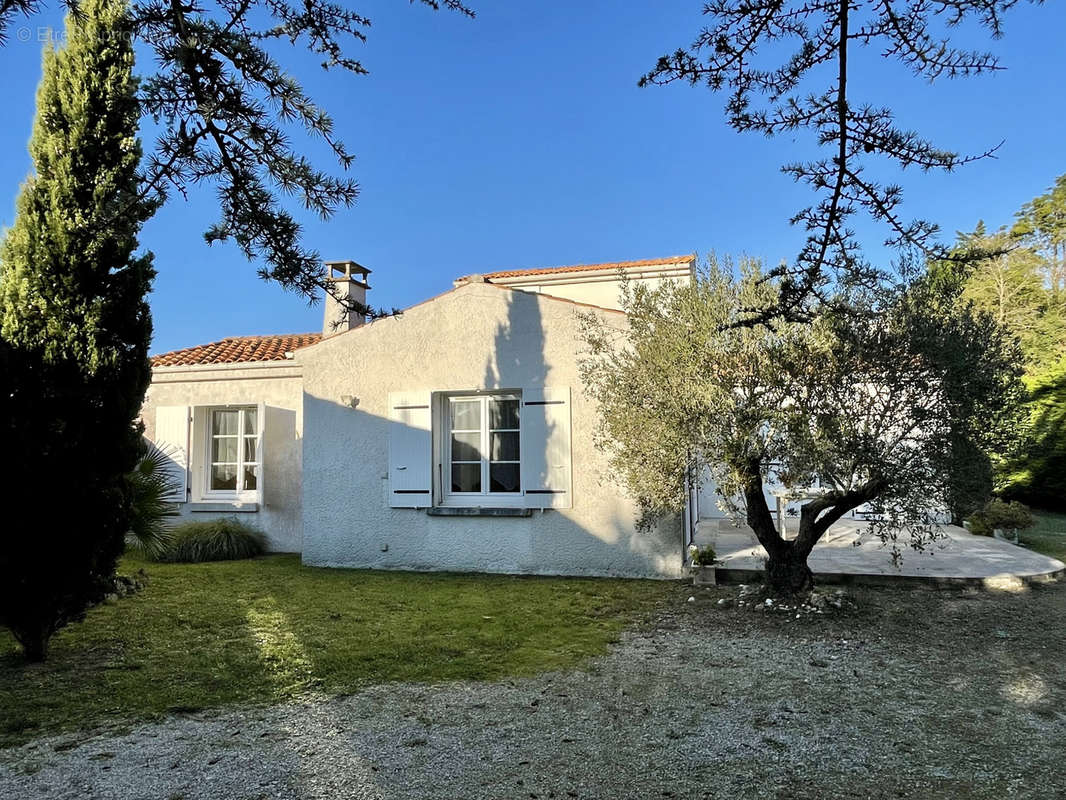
[{"x": 864, "y": 405}]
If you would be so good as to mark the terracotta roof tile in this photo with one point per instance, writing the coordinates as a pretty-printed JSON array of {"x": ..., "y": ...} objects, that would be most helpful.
[
  {"x": 237, "y": 350},
  {"x": 613, "y": 265},
  {"x": 244, "y": 349}
]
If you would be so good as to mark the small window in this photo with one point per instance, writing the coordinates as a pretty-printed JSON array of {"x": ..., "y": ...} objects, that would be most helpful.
[
  {"x": 483, "y": 455},
  {"x": 233, "y": 450}
]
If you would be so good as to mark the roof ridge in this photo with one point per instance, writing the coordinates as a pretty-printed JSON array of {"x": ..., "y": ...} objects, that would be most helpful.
[
  {"x": 263, "y": 336},
  {"x": 646, "y": 262}
]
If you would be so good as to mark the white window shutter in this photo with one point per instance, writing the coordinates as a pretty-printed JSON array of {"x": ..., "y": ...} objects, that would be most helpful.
[
  {"x": 545, "y": 432},
  {"x": 172, "y": 438},
  {"x": 410, "y": 450},
  {"x": 260, "y": 432}
]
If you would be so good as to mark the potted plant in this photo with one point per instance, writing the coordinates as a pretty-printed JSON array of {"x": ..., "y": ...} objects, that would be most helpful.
[
  {"x": 1001, "y": 520},
  {"x": 702, "y": 561}
]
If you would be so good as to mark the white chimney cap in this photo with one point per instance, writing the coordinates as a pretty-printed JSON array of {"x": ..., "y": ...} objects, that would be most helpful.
[{"x": 345, "y": 270}]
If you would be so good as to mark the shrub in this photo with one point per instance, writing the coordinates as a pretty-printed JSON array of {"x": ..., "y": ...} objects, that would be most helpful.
[
  {"x": 1004, "y": 516},
  {"x": 701, "y": 556},
  {"x": 214, "y": 540}
]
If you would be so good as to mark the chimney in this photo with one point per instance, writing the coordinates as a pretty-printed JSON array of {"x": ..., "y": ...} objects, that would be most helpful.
[{"x": 349, "y": 282}]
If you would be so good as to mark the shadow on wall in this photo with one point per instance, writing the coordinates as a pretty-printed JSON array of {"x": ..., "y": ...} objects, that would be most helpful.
[
  {"x": 517, "y": 355},
  {"x": 348, "y": 520},
  {"x": 517, "y": 360}
]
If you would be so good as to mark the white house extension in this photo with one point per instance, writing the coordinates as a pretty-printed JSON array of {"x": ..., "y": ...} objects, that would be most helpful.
[{"x": 453, "y": 436}]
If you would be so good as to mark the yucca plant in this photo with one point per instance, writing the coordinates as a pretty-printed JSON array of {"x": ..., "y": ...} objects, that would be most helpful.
[
  {"x": 223, "y": 539},
  {"x": 151, "y": 484}
]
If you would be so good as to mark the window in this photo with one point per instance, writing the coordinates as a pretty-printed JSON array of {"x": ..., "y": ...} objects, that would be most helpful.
[
  {"x": 479, "y": 449},
  {"x": 233, "y": 450},
  {"x": 483, "y": 444}
]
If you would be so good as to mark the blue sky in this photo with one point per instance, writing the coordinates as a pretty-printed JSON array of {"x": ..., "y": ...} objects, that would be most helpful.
[{"x": 519, "y": 139}]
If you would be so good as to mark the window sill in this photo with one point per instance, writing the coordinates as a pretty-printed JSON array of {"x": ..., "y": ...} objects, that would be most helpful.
[
  {"x": 478, "y": 511},
  {"x": 234, "y": 506}
]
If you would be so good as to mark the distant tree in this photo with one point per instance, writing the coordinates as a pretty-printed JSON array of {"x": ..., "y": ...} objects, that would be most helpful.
[
  {"x": 1041, "y": 224},
  {"x": 864, "y": 406},
  {"x": 1036, "y": 472},
  {"x": 228, "y": 109},
  {"x": 74, "y": 333},
  {"x": 744, "y": 52},
  {"x": 1010, "y": 284},
  {"x": 965, "y": 338},
  {"x": 1012, "y": 276}
]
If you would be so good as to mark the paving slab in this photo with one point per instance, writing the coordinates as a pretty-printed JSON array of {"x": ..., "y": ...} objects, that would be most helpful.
[{"x": 851, "y": 550}]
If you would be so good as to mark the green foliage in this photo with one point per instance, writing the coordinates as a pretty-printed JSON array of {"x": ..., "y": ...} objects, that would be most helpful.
[
  {"x": 227, "y": 110},
  {"x": 1036, "y": 472},
  {"x": 1011, "y": 283},
  {"x": 152, "y": 484},
  {"x": 671, "y": 386},
  {"x": 998, "y": 515},
  {"x": 981, "y": 363},
  {"x": 74, "y": 333},
  {"x": 702, "y": 556},
  {"x": 1041, "y": 224},
  {"x": 213, "y": 540},
  {"x": 268, "y": 630},
  {"x": 970, "y": 477},
  {"x": 1019, "y": 278},
  {"x": 864, "y": 405}
]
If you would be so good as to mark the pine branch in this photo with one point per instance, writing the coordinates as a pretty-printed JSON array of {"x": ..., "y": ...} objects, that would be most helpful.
[
  {"x": 227, "y": 109},
  {"x": 774, "y": 101}
]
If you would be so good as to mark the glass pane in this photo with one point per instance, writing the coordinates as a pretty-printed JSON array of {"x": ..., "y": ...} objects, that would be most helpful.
[
  {"x": 224, "y": 422},
  {"x": 251, "y": 475},
  {"x": 504, "y": 446},
  {"x": 466, "y": 415},
  {"x": 503, "y": 413},
  {"x": 224, "y": 476},
  {"x": 503, "y": 478},
  {"x": 224, "y": 449},
  {"x": 466, "y": 446},
  {"x": 249, "y": 449},
  {"x": 466, "y": 477},
  {"x": 250, "y": 415}
]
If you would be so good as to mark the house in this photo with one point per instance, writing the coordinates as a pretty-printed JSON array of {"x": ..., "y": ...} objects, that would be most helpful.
[{"x": 453, "y": 436}]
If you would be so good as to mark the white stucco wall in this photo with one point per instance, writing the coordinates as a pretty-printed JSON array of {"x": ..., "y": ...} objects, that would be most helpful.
[
  {"x": 277, "y": 384},
  {"x": 477, "y": 337},
  {"x": 598, "y": 288},
  {"x": 709, "y": 499}
]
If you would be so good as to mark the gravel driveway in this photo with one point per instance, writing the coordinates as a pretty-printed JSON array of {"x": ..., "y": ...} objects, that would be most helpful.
[{"x": 911, "y": 693}]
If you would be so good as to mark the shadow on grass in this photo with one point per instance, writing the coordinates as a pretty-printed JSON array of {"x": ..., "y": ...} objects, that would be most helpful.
[{"x": 208, "y": 635}]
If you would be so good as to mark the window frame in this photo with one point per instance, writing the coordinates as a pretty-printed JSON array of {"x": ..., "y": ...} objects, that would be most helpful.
[
  {"x": 243, "y": 495},
  {"x": 485, "y": 497}
]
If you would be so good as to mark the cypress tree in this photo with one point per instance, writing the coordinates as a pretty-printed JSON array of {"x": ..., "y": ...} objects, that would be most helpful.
[{"x": 74, "y": 333}]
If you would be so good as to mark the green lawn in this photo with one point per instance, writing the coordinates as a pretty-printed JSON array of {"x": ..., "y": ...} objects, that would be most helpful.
[
  {"x": 1048, "y": 536},
  {"x": 205, "y": 635}
]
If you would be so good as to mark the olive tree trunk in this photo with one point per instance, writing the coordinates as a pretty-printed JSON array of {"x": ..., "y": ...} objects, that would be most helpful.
[{"x": 787, "y": 572}]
